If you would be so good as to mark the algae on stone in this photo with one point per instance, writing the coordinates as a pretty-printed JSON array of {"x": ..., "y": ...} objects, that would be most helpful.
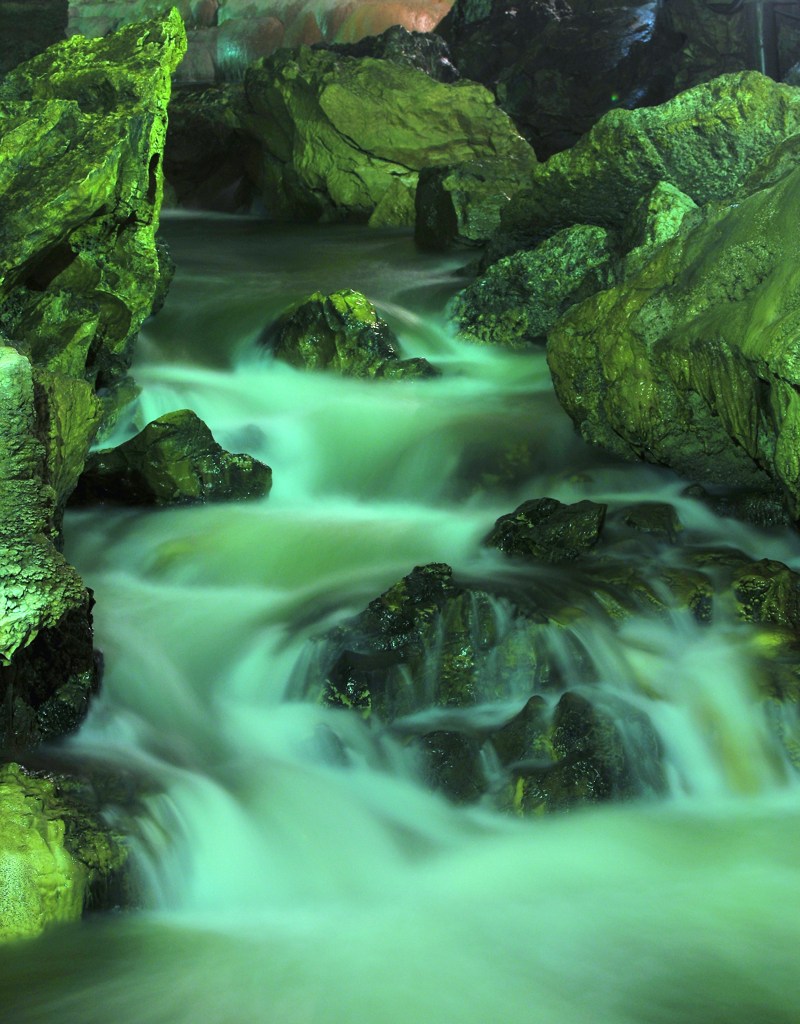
[
  {"x": 693, "y": 362},
  {"x": 341, "y": 332},
  {"x": 52, "y": 854},
  {"x": 519, "y": 298},
  {"x": 337, "y": 131},
  {"x": 173, "y": 460}
]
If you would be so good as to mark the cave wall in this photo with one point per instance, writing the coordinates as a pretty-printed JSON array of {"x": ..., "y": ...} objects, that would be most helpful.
[
  {"x": 226, "y": 35},
  {"x": 29, "y": 26}
]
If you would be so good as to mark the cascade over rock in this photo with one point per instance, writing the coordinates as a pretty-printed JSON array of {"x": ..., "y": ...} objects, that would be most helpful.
[
  {"x": 174, "y": 460},
  {"x": 690, "y": 361},
  {"x": 338, "y": 134},
  {"x": 341, "y": 332}
]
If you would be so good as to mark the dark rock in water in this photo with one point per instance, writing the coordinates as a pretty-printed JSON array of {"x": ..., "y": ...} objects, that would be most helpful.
[
  {"x": 341, "y": 136},
  {"x": 519, "y": 298},
  {"x": 424, "y": 51},
  {"x": 654, "y": 517},
  {"x": 341, "y": 332},
  {"x": 462, "y": 204},
  {"x": 207, "y": 150},
  {"x": 66, "y": 856},
  {"x": 754, "y": 507},
  {"x": 174, "y": 460},
  {"x": 548, "y": 530},
  {"x": 452, "y": 765},
  {"x": 557, "y": 66},
  {"x": 166, "y": 272}
]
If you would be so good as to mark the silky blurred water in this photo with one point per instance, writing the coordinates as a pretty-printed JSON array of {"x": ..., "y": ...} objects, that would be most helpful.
[{"x": 283, "y": 885}]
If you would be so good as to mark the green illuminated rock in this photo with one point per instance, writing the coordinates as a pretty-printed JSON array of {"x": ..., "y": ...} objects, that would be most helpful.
[
  {"x": 337, "y": 132},
  {"x": 55, "y": 854},
  {"x": 519, "y": 298},
  {"x": 705, "y": 142},
  {"x": 546, "y": 529},
  {"x": 693, "y": 361},
  {"x": 341, "y": 332},
  {"x": 174, "y": 460}
]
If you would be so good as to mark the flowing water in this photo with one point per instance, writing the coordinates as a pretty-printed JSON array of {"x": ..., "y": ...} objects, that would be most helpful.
[{"x": 284, "y": 883}]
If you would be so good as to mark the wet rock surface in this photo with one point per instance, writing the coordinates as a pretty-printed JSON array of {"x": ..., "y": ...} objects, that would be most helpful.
[
  {"x": 343, "y": 333},
  {"x": 492, "y": 690},
  {"x": 174, "y": 460}
]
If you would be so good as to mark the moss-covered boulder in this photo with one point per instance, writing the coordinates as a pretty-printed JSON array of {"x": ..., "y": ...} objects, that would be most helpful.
[
  {"x": 520, "y": 297},
  {"x": 705, "y": 141},
  {"x": 691, "y": 361},
  {"x": 56, "y": 854},
  {"x": 337, "y": 132},
  {"x": 341, "y": 332},
  {"x": 174, "y": 460}
]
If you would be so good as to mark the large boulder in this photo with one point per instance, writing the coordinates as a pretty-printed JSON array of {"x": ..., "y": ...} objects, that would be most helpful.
[
  {"x": 338, "y": 133},
  {"x": 82, "y": 129},
  {"x": 341, "y": 332},
  {"x": 174, "y": 460},
  {"x": 691, "y": 361},
  {"x": 705, "y": 141}
]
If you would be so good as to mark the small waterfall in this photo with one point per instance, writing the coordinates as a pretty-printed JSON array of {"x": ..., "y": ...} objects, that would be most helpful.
[{"x": 294, "y": 867}]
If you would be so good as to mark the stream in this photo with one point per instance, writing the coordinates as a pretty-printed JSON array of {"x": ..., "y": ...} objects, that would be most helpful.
[{"x": 282, "y": 885}]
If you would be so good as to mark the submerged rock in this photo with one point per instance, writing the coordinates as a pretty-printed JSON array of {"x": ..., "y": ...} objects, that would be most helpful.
[
  {"x": 689, "y": 362},
  {"x": 547, "y": 529},
  {"x": 174, "y": 460},
  {"x": 56, "y": 854},
  {"x": 341, "y": 332},
  {"x": 337, "y": 132},
  {"x": 519, "y": 298}
]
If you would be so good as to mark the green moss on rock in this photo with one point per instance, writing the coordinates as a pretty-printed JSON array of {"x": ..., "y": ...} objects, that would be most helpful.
[
  {"x": 341, "y": 332},
  {"x": 337, "y": 132},
  {"x": 174, "y": 460}
]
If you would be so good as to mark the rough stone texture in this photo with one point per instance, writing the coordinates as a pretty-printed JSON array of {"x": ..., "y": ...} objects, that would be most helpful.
[
  {"x": 425, "y": 52},
  {"x": 657, "y": 217},
  {"x": 341, "y": 332},
  {"x": 546, "y": 529},
  {"x": 174, "y": 460},
  {"x": 82, "y": 128},
  {"x": 705, "y": 142},
  {"x": 692, "y": 362},
  {"x": 557, "y": 66},
  {"x": 519, "y": 298},
  {"x": 715, "y": 39},
  {"x": 337, "y": 132},
  {"x": 55, "y": 854},
  {"x": 462, "y": 205}
]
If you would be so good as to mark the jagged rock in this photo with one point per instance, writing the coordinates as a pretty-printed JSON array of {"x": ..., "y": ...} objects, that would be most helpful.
[
  {"x": 56, "y": 854},
  {"x": 547, "y": 529},
  {"x": 341, "y": 332},
  {"x": 462, "y": 205},
  {"x": 655, "y": 517},
  {"x": 557, "y": 66},
  {"x": 424, "y": 51},
  {"x": 337, "y": 132},
  {"x": 690, "y": 363},
  {"x": 519, "y": 298},
  {"x": 706, "y": 142},
  {"x": 174, "y": 460}
]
